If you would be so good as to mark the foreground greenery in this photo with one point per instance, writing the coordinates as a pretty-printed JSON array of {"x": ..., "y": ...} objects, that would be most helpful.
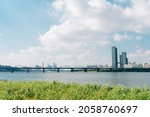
[{"x": 69, "y": 91}]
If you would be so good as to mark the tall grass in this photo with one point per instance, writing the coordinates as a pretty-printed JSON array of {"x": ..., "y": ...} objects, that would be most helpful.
[{"x": 69, "y": 91}]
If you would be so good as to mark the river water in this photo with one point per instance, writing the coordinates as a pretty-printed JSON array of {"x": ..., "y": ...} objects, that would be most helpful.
[{"x": 137, "y": 79}]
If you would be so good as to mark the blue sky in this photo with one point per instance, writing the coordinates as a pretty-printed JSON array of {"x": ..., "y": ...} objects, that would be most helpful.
[
  {"x": 21, "y": 22},
  {"x": 73, "y": 32}
]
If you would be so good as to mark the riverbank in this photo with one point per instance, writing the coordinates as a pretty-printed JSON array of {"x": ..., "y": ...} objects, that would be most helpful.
[{"x": 69, "y": 91}]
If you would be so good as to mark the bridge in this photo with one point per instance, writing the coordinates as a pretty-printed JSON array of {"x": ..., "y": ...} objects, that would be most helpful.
[{"x": 71, "y": 69}]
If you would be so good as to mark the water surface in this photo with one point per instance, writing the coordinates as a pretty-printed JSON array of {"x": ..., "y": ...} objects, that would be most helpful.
[{"x": 138, "y": 79}]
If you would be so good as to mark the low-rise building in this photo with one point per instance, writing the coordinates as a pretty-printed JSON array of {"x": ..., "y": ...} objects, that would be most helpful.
[
  {"x": 140, "y": 65},
  {"x": 128, "y": 66},
  {"x": 146, "y": 65}
]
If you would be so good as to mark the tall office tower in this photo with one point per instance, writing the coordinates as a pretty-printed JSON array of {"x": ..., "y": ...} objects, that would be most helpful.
[
  {"x": 121, "y": 61},
  {"x": 127, "y": 60},
  {"x": 124, "y": 58},
  {"x": 114, "y": 58}
]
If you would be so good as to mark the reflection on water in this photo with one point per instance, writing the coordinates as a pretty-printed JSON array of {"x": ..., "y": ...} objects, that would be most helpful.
[{"x": 122, "y": 78}]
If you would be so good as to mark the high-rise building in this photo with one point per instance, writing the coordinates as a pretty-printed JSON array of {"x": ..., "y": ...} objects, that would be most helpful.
[
  {"x": 120, "y": 61},
  {"x": 127, "y": 60},
  {"x": 114, "y": 58},
  {"x": 124, "y": 59}
]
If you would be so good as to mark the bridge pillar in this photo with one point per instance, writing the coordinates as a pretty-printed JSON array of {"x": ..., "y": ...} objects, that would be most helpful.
[
  {"x": 43, "y": 70},
  {"x": 58, "y": 70},
  {"x": 85, "y": 69},
  {"x": 72, "y": 70}
]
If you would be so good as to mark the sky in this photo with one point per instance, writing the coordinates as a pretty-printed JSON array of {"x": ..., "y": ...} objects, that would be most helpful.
[{"x": 73, "y": 32}]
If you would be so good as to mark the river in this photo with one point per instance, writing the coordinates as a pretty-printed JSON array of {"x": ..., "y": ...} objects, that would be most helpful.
[{"x": 129, "y": 79}]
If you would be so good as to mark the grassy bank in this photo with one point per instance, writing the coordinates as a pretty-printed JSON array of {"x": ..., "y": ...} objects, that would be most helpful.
[{"x": 70, "y": 91}]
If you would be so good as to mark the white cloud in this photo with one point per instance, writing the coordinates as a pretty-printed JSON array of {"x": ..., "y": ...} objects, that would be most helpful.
[
  {"x": 85, "y": 25},
  {"x": 120, "y": 37},
  {"x": 58, "y": 5},
  {"x": 139, "y": 13},
  {"x": 0, "y": 34},
  {"x": 140, "y": 55},
  {"x": 124, "y": 37},
  {"x": 141, "y": 52}
]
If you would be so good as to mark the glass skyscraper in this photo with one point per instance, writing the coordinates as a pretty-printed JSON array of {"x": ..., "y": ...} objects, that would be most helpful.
[
  {"x": 123, "y": 59},
  {"x": 121, "y": 63},
  {"x": 114, "y": 58}
]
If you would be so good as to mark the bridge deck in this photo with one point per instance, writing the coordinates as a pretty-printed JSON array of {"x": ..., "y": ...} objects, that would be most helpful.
[{"x": 72, "y": 69}]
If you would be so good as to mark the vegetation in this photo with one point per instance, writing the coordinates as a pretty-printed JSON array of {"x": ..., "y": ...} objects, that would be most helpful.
[{"x": 70, "y": 91}]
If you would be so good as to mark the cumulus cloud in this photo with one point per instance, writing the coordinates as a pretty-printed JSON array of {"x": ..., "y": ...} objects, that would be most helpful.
[
  {"x": 140, "y": 55},
  {"x": 140, "y": 52},
  {"x": 120, "y": 37},
  {"x": 83, "y": 26},
  {"x": 139, "y": 13}
]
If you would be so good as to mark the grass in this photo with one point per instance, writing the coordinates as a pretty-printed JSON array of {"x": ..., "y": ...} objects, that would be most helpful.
[{"x": 70, "y": 91}]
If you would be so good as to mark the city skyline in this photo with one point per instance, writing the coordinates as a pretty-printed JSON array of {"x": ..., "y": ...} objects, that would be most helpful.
[
  {"x": 118, "y": 61},
  {"x": 73, "y": 32}
]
